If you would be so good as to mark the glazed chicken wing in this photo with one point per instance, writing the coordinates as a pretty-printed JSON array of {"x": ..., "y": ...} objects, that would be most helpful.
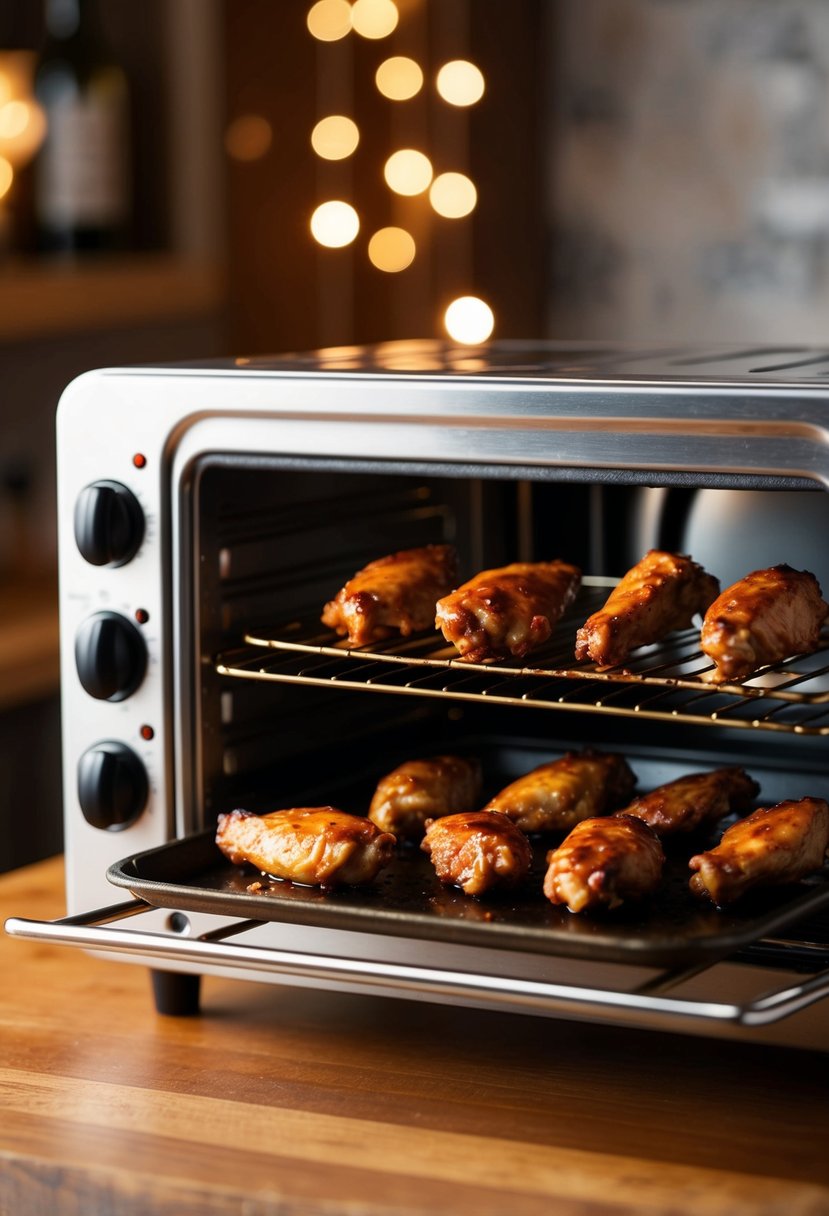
[
  {"x": 662, "y": 592},
  {"x": 775, "y": 844},
  {"x": 509, "y": 611},
  {"x": 425, "y": 789},
  {"x": 694, "y": 801},
  {"x": 765, "y": 617},
  {"x": 604, "y": 862},
  {"x": 395, "y": 594},
  {"x": 555, "y": 796},
  {"x": 477, "y": 850},
  {"x": 316, "y": 846}
]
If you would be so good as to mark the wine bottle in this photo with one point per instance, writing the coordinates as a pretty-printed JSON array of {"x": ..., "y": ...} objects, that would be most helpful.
[{"x": 82, "y": 174}]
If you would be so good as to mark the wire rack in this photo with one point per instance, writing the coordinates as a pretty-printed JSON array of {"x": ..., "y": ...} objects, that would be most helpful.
[{"x": 665, "y": 680}]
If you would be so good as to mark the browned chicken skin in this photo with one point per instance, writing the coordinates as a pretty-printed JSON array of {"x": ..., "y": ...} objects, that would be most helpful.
[
  {"x": 477, "y": 850},
  {"x": 694, "y": 801},
  {"x": 764, "y": 618},
  {"x": 662, "y": 592},
  {"x": 775, "y": 844},
  {"x": 555, "y": 796},
  {"x": 509, "y": 611},
  {"x": 604, "y": 862},
  {"x": 395, "y": 594},
  {"x": 314, "y": 846},
  {"x": 425, "y": 789}
]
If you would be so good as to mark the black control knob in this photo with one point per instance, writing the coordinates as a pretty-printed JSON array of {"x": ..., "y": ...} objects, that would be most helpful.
[
  {"x": 109, "y": 523},
  {"x": 110, "y": 656},
  {"x": 112, "y": 785}
]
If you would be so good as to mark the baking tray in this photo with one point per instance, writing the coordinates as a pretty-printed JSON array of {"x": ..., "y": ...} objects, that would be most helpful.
[{"x": 671, "y": 929}]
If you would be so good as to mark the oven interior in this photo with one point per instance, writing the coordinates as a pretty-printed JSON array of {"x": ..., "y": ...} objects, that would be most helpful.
[{"x": 282, "y": 715}]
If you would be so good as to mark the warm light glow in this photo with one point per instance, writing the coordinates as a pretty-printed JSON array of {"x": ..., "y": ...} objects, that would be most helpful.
[
  {"x": 453, "y": 195},
  {"x": 14, "y": 119},
  {"x": 335, "y": 137},
  {"x": 335, "y": 224},
  {"x": 5, "y": 88},
  {"x": 469, "y": 320},
  {"x": 248, "y": 137},
  {"x": 391, "y": 249},
  {"x": 408, "y": 171},
  {"x": 374, "y": 18},
  {"x": 399, "y": 78},
  {"x": 329, "y": 20},
  {"x": 460, "y": 83},
  {"x": 6, "y": 176}
]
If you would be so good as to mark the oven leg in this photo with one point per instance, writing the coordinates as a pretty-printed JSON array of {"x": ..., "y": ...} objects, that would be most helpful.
[{"x": 176, "y": 994}]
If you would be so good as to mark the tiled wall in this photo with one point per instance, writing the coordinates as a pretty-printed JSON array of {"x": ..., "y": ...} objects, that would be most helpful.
[{"x": 689, "y": 174}]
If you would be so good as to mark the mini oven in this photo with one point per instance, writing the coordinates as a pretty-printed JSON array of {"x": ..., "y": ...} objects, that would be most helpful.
[{"x": 208, "y": 511}]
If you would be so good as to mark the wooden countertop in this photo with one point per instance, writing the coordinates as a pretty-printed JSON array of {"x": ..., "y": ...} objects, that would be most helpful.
[{"x": 291, "y": 1101}]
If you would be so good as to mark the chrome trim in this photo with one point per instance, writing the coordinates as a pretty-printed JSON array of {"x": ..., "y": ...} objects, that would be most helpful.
[{"x": 516, "y": 994}]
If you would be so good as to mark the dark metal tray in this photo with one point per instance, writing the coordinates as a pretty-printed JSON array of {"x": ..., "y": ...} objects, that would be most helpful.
[{"x": 670, "y": 929}]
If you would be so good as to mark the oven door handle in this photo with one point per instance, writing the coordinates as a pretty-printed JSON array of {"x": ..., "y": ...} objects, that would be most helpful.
[{"x": 97, "y": 931}]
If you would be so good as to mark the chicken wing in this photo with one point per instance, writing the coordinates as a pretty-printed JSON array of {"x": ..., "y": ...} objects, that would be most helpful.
[
  {"x": 509, "y": 611},
  {"x": 775, "y": 844},
  {"x": 604, "y": 862},
  {"x": 316, "y": 846},
  {"x": 425, "y": 789},
  {"x": 555, "y": 796},
  {"x": 694, "y": 801},
  {"x": 764, "y": 618},
  {"x": 660, "y": 593},
  {"x": 395, "y": 594},
  {"x": 477, "y": 850}
]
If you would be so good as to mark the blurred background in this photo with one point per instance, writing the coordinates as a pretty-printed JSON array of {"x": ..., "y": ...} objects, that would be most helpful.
[{"x": 182, "y": 179}]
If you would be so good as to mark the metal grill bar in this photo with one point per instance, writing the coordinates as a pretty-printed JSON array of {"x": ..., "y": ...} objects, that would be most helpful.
[{"x": 675, "y": 702}]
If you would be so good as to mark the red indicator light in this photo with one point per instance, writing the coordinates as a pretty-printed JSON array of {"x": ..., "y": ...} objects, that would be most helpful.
[
  {"x": 139, "y": 460},
  {"x": 147, "y": 732},
  {"x": 142, "y": 616}
]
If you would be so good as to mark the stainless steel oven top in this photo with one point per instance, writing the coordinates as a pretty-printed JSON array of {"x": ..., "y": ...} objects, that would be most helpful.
[{"x": 552, "y": 360}]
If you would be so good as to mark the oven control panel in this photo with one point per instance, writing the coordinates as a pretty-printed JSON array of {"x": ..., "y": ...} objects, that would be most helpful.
[
  {"x": 112, "y": 785},
  {"x": 108, "y": 523},
  {"x": 110, "y": 656}
]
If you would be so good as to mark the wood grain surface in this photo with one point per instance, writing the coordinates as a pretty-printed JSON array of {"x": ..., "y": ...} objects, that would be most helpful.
[{"x": 279, "y": 1100}]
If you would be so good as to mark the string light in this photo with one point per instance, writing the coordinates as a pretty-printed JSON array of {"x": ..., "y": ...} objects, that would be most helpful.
[
  {"x": 453, "y": 195},
  {"x": 408, "y": 171},
  {"x": 335, "y": 224},
  {"x": 6, "y": 176},
  {"x": 391, "y": 249},
  {"x": 399, "y": 78},
  {"x": 374, "y": 18},
  {"x": 335, "y": 137},
  {"x": 460, "y": 83},
  {"x": 469, "y": 320},
  {"x": 329, "y": 20},
  {"x": 248, "y": 137}
]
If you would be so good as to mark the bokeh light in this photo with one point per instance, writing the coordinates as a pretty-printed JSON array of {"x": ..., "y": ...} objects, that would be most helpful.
[
  {"x": 469, "y": 320},
  {"x": 248, "y": 137},
  {"x": 335, "y": 224},
  {"x": 374, "y": 18},
  {"x": 399, "y": 78},
  {"x": 329, "y": 20},
  {"x": 391, "y": 249},
  {"x": 453, "y": 195},
  {"x": 408, "y": 171},
  {"x": 460, "y": 83},
  {"x": 335, "y": 137},
  {"x": 6, "y": 176}
]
